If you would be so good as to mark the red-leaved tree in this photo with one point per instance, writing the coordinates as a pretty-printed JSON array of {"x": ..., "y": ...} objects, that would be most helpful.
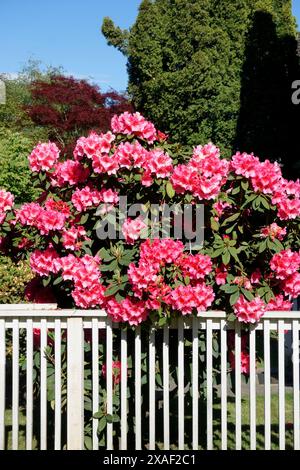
[{"x": 69, "y": 108}]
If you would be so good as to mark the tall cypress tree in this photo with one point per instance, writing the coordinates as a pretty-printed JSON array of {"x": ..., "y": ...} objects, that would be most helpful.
[{"x": 195, "y": 66}]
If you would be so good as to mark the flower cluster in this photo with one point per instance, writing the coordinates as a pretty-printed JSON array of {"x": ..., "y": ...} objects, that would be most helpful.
[
  {"x": 6, "y": 204},
  {"x": 134, "y": 124},
  {"x": 203, "y": 176},
  {"x": 44, "y": 157},
  {"x": 161, "y": 264},
  {"x": 43, "y": 219}
]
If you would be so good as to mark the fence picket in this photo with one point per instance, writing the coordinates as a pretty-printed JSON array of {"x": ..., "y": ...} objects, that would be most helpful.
[
  {"x": 109, "y": 381},
  {"x": 252, "y": 388},
  {"x": 267, "y": 387},
  {"x": 296, "y": 400},
  {"x": 138, "y": 389},
  {"x": 2, "y": 383},
  {"x": 195, "y": 384},
  {"x": 15, "y": 385},
  {"x": 57, "y": 378},
  {"x": 281, "y": 385},
  {"x": 29, "y": 384},
  {"x": 209, "y": 372},
  {"x": 124, "y": 390},
  {"x": 152, "y": 390},
  {"x": 224, "y": 384},
  {"x": 95, "y": 379},
  {"x": 43, "y": 385},
  {"x": 166, "y": 386},
  {"x": 238, "y": 397},
  {"x": 180, "y": 384}
]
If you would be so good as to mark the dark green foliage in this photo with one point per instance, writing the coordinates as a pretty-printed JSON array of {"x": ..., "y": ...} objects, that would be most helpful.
[{"x": 215, "y": 70}]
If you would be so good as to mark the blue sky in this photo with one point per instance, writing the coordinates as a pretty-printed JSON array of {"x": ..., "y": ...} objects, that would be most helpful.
[{"x": 67, "y": 33}]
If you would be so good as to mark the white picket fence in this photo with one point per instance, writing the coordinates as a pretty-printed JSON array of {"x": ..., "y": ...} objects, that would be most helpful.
[{"x": 18, "y": 321}]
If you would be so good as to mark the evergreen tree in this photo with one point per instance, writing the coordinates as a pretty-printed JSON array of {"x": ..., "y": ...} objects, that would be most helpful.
[{"x": 196, "y": 66}]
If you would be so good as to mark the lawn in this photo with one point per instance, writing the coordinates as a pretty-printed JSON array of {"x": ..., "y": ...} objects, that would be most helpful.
[{"x": 217, "y": 425}]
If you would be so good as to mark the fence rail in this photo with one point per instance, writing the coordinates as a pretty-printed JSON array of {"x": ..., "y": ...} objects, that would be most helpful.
[{"x": 176, "y": 389}]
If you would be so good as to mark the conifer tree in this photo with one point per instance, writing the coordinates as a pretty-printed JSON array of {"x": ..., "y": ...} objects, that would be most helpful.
[{"x": 195, "y": 66}]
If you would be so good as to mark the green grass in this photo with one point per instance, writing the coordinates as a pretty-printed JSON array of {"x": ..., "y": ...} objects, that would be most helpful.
[
  {"x": 202, "y": 421},
  {"x": 22, "y": 431},
  {"x": 259, "y": 423}
]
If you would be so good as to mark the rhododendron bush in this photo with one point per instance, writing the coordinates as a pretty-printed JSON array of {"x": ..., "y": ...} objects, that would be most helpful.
[{"x": 248, "y": 264}]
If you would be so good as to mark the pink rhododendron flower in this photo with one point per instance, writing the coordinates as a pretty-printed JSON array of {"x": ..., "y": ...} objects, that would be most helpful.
[
  {"x": 221, "y": 275},
  {"x": 220, "y": 207},
  {"x": 274, "y": 231},
  {"x": 244, "y": 164},
  {"x": 267, "y": 177},
  {"x": 159, "y": 164},
  {"x": 187, "y": 298},
  {"x": 43, "y": 157},
  {"x": 131, "y": 155},
  {"x": 142, "y": 275},
  {"x": 68, "y": 265},
  {"x": 89, "y": 297},
  {"x": 196, "y": 266},
  {"x": 93, "y": 145},
  {"x": 129, "y": 310},
  {"x": 288, "y": 208},
  {"x": 245, "y": 362},
  {"x": 45, "y": 220},
  {"x": 6, "y": 200},
  {"x": 160, "y": 251},
  {"x": 116, "y": 368},
  {"x": 291, "y": 286},
  {"x": 72, "y": 236},
  {"x": 279, "y": 304},
  {"x": 85, "y": 198},
  {"x": 49, "y": 220},
  {"x": 132, "y": 229},
  {"x": 105, "y": 163},
  {"x": 249, "y": 311},
  {"x": 69, "y": 172},
  {"x": 203, "y": 177},
  {"x": 29, "y": 214},
  {"x": 256, "y": 277},
  {"x": 58, "y": 205},
  {"x": 43, "y": 262},
  {"x": 203, "y": 151},
  {"x": 134, "y": 124},
  {"x": 285, "y": 263}
]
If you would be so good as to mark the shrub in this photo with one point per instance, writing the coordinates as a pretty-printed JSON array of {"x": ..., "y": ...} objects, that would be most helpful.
[{"x": 14, "y": 278}]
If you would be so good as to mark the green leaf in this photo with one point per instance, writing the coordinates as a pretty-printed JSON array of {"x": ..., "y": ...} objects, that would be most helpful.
[
  {"x": 234, "y": 297},
  {"x": 112, "y": 290},
  {"x": 245, "y": 185},
  {"x": 214, "y": 225},
  {"x": 217, "y": 253},
  {"x": 262, "y": 247},
  {"x": 230, "y": 289},
  {"x": 236, "y": 191},
  {"x": 249, "y": 296},
  {"x": 226, "y": 258},
  {"x": 170, "y": 190},
  {"x": 57, "y": 281},
  {"x": 102, "y": 424},
  {"x": 84, "y": 219},
  {"x": 231, "y": 317},
  {"x": 231, "y": 218},
  {"x": 264, "y": 203}
]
